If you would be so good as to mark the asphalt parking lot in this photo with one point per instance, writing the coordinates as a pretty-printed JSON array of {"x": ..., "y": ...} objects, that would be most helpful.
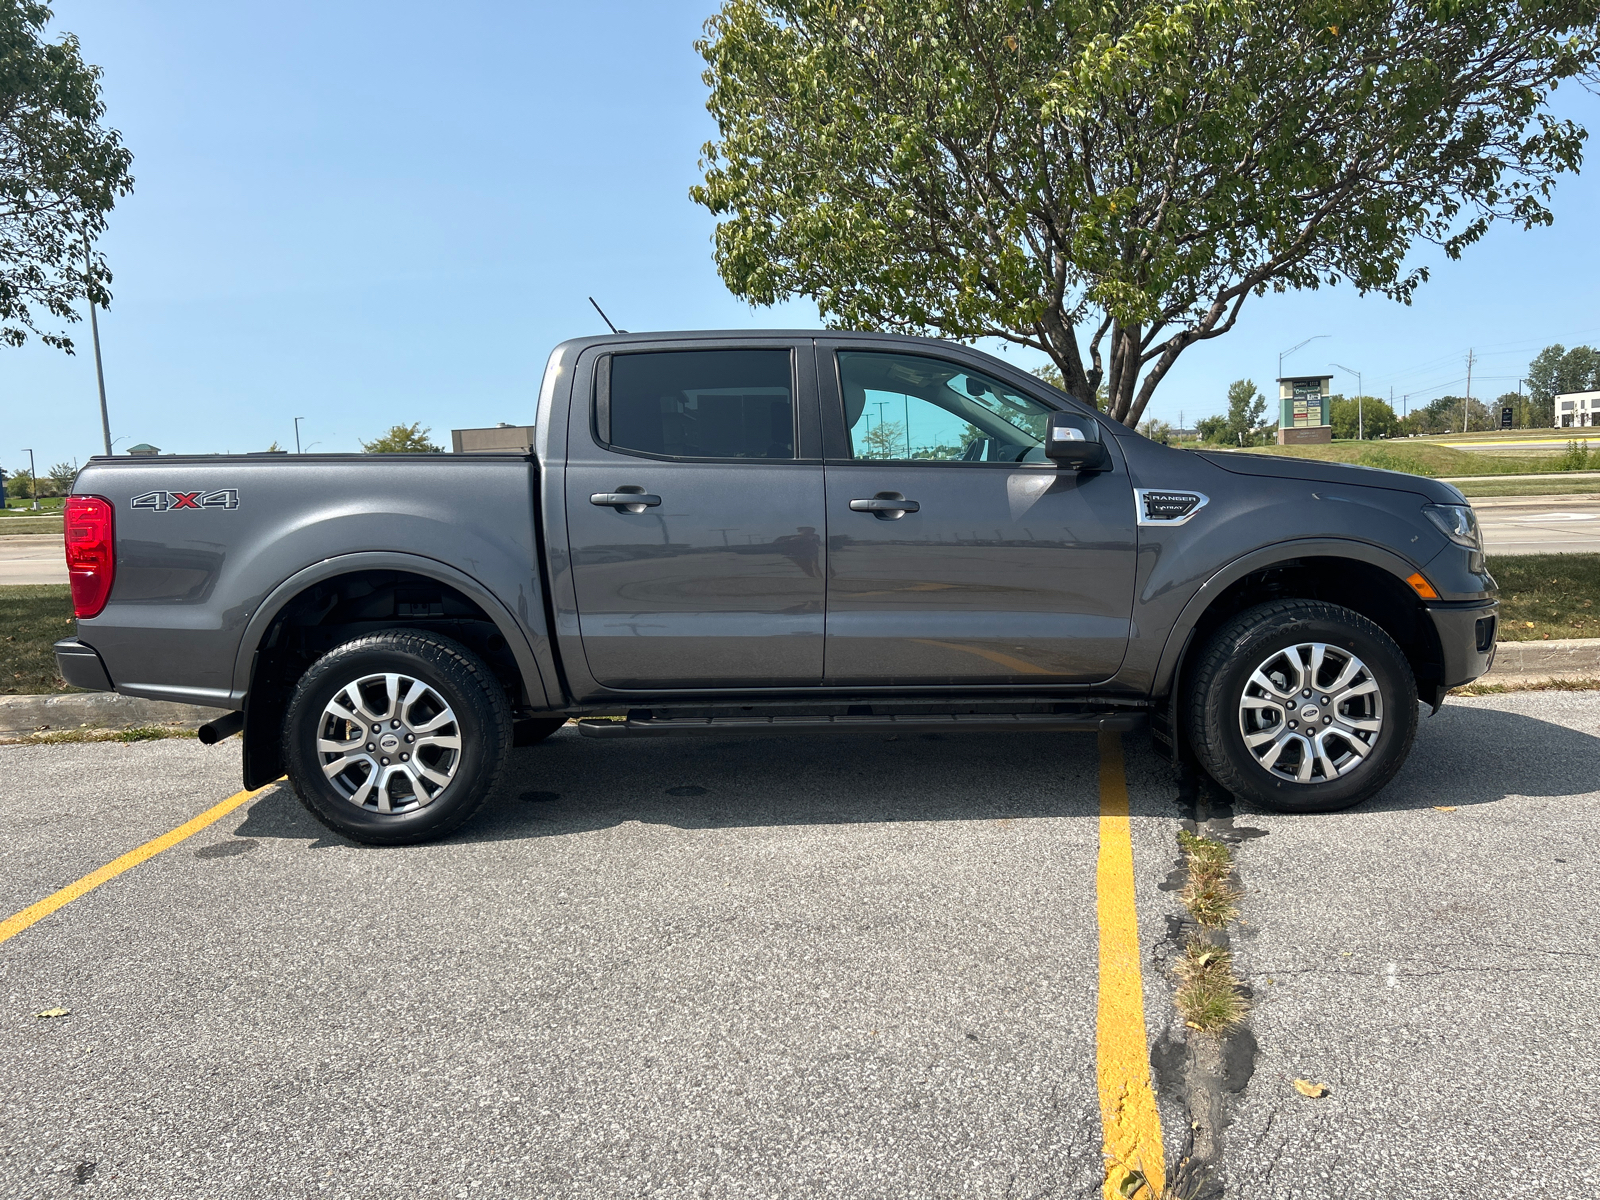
[{"x": 848, "y": 967}]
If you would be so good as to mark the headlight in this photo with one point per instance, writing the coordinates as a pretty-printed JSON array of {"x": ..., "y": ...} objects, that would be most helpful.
[{"x": 1457, "y": 522}]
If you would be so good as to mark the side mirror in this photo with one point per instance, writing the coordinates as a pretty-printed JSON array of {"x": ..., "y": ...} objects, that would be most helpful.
[{"x": 1074, "y": 441}]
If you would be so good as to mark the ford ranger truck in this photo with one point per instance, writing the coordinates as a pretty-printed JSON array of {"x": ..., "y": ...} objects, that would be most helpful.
[{"x": 777, "y": 533}]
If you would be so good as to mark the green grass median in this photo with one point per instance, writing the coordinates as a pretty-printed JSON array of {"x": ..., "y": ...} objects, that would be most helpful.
[
  {"x": 1541, "y": 596},
  {"x": 32, "y": 619}
]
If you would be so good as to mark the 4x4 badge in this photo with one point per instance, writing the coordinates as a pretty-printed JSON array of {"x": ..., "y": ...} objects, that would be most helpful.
[{"x": 165, "y": 501}]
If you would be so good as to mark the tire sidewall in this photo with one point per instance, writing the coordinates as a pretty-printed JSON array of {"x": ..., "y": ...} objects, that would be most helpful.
[
  {"x": 1395, "y": 685},
  {"x": 483, "y": 741}
]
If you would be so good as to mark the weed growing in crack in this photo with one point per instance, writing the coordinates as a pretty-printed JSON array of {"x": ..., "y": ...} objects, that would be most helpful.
[
  {"x": 1209, "y": 897},
  {"x": 1209, "y": 995}
]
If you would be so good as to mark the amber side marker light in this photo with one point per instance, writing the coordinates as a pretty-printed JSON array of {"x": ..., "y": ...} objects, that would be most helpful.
[
  {"x": 1422, "y": 587},
  {"x": 91, "y": 554}
]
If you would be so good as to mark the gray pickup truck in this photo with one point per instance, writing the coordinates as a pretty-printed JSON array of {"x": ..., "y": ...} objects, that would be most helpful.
[{"x": 777, "y": 532}]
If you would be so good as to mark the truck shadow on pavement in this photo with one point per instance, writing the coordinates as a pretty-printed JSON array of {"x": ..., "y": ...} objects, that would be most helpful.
[
  {"x": 1468, "y": 755},
  {"x": 570, "y": 784}
]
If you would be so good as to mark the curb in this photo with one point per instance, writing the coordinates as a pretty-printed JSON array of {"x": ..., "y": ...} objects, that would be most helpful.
[
  {"x": 1560, "y": 658},
  {"x": 30, "y": 714}
]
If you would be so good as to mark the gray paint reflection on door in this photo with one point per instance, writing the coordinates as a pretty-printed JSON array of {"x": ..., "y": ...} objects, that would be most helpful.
[
  {"x": 1021, "y": 576},
  {"x": 721, "y": 584}
]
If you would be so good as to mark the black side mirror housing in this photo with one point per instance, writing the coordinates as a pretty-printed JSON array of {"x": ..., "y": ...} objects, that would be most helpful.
[{"x": 1074, "y": 441}]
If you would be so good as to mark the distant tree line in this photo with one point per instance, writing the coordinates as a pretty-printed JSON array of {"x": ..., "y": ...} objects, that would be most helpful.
[{"x": 56, "y": 482}]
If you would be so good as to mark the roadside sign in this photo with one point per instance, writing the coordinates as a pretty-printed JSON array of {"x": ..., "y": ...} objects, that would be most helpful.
[{"x": 1505, "y": 418}]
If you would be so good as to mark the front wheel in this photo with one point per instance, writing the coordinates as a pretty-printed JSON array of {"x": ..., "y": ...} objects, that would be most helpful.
[
  {"x": 1302, "y": 706},
  {"x": 396, "y": 738}
]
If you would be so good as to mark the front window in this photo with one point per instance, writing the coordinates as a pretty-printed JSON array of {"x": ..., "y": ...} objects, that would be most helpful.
[{"x": 907, "y": 408}]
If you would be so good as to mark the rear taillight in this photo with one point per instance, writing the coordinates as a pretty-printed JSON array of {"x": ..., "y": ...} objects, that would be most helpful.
[{"x": 91, "y": 553}]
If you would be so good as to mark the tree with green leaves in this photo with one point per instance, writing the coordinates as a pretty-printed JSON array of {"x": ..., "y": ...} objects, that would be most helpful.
[
  {"x": 1371, "y": 417},
  {"x": 61, "y": 172},
  {"x": 1246, "y": 423},
  {"x": 886, "y": 439},
  {"x": 61, "y": 478},
  {"x": 403, "y": 439},
  {"x": 1555, "y": 371},
  {"x": 1109, "y": 183}
]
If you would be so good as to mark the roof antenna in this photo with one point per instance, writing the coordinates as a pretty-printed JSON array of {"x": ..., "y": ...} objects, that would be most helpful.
[{"x": 605, "y": 318}]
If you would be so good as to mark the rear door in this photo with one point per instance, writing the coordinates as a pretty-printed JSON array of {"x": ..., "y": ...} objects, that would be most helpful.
[
  {"x": 958, "y": 554},
  {"x": 714, "y": 576}
]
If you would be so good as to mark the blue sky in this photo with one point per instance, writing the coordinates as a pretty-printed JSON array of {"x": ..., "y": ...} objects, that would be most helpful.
[{"x": 365, "y": 213}]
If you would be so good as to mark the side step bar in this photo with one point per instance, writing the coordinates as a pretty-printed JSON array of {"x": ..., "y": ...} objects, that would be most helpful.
[{"x": 1089, "y": 722}]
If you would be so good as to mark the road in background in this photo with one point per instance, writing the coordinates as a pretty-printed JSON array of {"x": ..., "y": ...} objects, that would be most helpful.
[
  {"x": 31, "y": 558},
  {"x": 1539, "y": 524}
]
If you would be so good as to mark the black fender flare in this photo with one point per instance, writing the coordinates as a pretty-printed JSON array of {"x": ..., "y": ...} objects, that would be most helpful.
[
  {"x": 533, "y": 680},
  {"x": 1179, "y": 637}
]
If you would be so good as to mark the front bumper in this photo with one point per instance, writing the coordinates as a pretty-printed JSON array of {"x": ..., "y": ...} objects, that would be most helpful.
[
  {"x": 1466, "y": 640},
  {"x": 81, "y": 666}
]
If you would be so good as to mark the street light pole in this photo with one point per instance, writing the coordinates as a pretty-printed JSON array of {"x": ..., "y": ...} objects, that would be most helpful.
[
  {"x": 1285, "y": 354},
  {"x": 297, "y": 421},
  {"x": 33, "y": 483},
  {"x": 1361, "y": 428},
  {"x": 94, "y": 328}
]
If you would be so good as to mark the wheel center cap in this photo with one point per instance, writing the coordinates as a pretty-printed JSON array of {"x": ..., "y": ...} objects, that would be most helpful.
[
  {"x": 1310, "y": 712},
  {"x": 389, "y": 743}
]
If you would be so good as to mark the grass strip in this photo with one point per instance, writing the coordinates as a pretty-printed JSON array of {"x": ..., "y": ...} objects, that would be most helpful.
[
  {"x": 32, "y": 618},
  {"x": 1536, "y": 685},
  {"x": 1545, "y": 596},
  {"x": 64, "y": 737},
  {"x": 1209, "y": 995}
]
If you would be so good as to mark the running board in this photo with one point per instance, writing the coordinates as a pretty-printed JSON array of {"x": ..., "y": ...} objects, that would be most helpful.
[{"x": 1089, "y": 722}]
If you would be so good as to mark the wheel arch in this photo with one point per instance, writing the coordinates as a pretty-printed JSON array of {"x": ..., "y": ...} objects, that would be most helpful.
[
  {"x": 1365, "y": 578},
  {"x": 257, "y": 675}
]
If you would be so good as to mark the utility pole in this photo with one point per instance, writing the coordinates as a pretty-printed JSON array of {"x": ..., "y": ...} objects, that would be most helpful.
[
  {"x": 1466, "y": 403},
  {"x": 94, "y": 327},
  {"x": 33, "y": 483},
  {"x": 297, "y": 421}
]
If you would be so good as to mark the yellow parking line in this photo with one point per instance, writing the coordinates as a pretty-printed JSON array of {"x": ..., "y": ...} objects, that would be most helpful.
[
  {"x": 1122, "y": 1054},
  {"x": 15, "y": 924}
]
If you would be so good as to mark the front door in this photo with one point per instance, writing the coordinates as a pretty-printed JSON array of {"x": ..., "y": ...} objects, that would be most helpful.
[
  {"x": 958, "y": 554},
  {"x": 714, "y": 575}
]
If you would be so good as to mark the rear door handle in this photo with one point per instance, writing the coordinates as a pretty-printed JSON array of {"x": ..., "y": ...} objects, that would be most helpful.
[
  {"x": 625, "y": 500},
  {"x": 886, "y": 506}
]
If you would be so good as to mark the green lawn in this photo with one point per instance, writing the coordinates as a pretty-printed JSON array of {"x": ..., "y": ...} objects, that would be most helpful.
[
  {"x": 1541, "y": 596},
  {"x": 31, "y": 620},
  {"x": 1421, "y": 458},
  {"x": 1548, "y": 596}
]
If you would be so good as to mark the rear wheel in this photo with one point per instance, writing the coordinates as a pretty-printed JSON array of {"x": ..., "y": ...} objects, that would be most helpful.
[
  {"x": 1302, "y": 706},
  {"x": 396, "y": 738}
]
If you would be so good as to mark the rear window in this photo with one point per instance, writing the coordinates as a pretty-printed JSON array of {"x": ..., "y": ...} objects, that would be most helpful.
[{"x": 700, "y": 404}]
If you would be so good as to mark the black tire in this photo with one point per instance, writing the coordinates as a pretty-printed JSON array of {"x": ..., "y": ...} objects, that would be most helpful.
[
  {"x": 421, "y": 809},
  {"x": 1217, "y": 692},
  {"x": 530, "y": 731}
]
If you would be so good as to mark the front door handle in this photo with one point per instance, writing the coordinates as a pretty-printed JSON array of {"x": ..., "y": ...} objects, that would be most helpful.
[
  {"x": 625, "y": 499},
  {"x": 886, "y": 506}
]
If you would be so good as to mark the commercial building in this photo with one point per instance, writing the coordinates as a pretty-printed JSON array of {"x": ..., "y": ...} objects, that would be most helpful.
[
  {"x": 518, "y": 439},
  {"x": 1577, "y": 410}
]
